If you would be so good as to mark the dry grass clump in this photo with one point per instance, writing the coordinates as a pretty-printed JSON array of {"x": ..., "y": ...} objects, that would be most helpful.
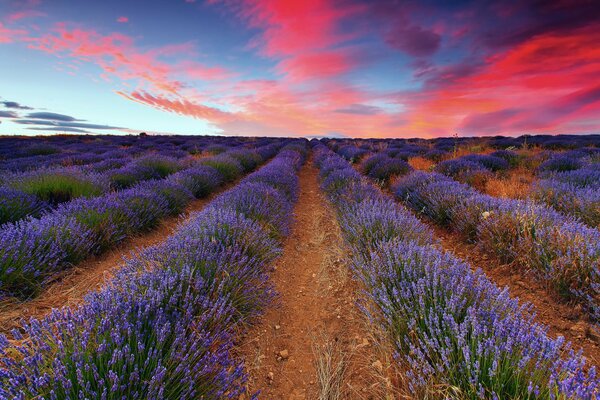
[
  {"x": 421, "y": 163},
  {"x": 515, "y": 185}
]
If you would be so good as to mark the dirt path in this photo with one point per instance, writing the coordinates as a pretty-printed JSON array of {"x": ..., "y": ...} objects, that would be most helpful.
[
  {"x": 562, "y": 319},
  {"x": 312, "y": 343},
  {"x": 71, "y": 287}
]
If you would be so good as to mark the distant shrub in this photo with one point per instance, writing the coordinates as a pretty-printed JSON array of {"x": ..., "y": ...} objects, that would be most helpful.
[
  {"x": 41, "y": 149},
  {"x": 490, "y": 162},
  {"x": 228, "y": 167},
  {"x": 249, "y": 159},
  {"x": 201, "y": 180},
  {"x": 457, "y": 167},
  {"x": 159, "y": 166},
  {"x": 560, "y": 164},
  {"x": 385, "y": 170},
  {"x": 351, "y": 152},
  {"x": 57, "y": 187}
]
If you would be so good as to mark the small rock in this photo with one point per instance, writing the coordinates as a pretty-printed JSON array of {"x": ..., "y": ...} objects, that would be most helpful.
[
  {"x": 580, "y": 328},
  {"x": 378, "y": 366},
  {"x": 270, "y": 376},
  {"x": 277, "y": 327},
  {"x": 284, "y": 354}
]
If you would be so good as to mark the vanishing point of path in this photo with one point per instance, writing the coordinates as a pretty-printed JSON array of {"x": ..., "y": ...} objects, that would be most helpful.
[{"x": 312, "y": 343}]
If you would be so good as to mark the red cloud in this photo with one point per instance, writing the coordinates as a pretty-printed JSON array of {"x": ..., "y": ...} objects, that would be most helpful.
[
  {"x": 122, "y": 19},
  {"x": 543, "y": 84},
  {"x": 178, "y": 106},
  {"x": 297, "y": 26},
  {"x": 303, "y": 33},
  {"x": 319, "y": 65}
]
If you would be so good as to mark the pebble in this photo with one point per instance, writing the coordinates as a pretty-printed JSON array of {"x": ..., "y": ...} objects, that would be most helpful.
[
  {"x": 377, "y": 365},
  {"x": 284, "y": 354},
  {"x": 580, "y": 328}
]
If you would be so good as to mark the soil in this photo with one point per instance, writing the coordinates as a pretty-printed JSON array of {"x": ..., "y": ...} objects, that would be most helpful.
[
  {"x": 315, "y": 314},
  {"x": 70, "y": 287}
]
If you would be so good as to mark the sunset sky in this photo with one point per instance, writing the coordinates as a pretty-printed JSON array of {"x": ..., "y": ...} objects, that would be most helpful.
[{"x": 351, "y": 68}]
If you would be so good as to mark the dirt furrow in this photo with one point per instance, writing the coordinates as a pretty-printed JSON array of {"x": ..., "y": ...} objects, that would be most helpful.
[{"x": 312, "y": 343}]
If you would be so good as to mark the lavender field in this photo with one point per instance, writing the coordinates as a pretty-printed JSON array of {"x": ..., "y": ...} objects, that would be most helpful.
[{"x": 205, "y": 267}]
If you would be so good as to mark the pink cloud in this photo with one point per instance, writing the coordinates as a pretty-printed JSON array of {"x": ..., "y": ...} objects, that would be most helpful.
[
  {"x": 545, "y": 84},
  {"x": 118, "y": 55},
  {"x": 19, "y": 15},
  {"x": 123, "y": 19},
  {"x": 178, "y": 106},
  {"x": 300, "y": 33},
  {"x": 320, "y": 64},
  {"x": 8, "y": 35},
  {"x": 195, "y": 70}
]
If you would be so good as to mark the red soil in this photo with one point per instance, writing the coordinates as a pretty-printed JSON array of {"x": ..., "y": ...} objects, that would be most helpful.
[{"x": 315, "y": 314}]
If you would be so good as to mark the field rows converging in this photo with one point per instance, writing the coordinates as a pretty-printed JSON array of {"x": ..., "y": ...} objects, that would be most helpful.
[
  {"x": 456, "y": 334},
  {"x": 292, "y": 269},
  {"x": 70, "y": 287},
  {"x": 167, "y": 321},
  {"x": 312, "y": 343},
  {"x": 559, "y": 250},
  {"x": 33, "y": 250},
  {"x": 457, "y": 211}
]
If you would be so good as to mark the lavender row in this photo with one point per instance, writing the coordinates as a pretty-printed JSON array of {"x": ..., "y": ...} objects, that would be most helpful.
[
  {"x": 562, "y": 251},
  {"x": 32, "y": 250},
  {"x": 34, "y": 193},
  {"x": 455, "y": 333},
  {"x": 21, "y": 154},
  {"x": 163, "y": 328},
  {"x": 570, "y": 183}
]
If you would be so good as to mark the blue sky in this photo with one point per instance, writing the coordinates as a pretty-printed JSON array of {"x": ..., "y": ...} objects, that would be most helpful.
[{"x": 272, "y": 67}]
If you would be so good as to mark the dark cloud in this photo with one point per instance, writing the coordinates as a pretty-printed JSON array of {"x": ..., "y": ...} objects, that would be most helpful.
[
  {"x": 414, "y": 40},
  {"x": 51, "y": 116},
  {"x": 15, "y": 105},
  {"x": 440, "y": 75},
  {"x": 64, "y": 124},
  {"x": 525, "y": 20},
  {"x": 8, "y": 114},
  {"x": 60, "y": 129},
  {"x": 359, "y": 109},
  {"x": 576, "y": 100},
  {"x": 490, "y": 122}
]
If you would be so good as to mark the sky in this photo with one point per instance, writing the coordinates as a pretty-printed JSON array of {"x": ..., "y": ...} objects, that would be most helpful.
[{"x": 338, "y": 68}]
